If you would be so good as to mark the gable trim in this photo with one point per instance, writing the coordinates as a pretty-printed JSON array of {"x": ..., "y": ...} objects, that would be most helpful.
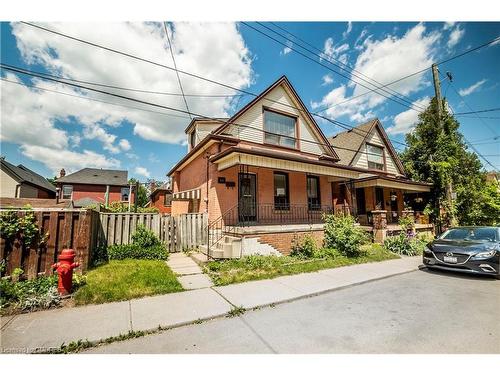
[{"x": 319, "y": 133}]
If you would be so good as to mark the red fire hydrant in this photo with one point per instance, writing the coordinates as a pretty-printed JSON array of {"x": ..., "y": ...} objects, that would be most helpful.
[{"x": 64, "y": 269}]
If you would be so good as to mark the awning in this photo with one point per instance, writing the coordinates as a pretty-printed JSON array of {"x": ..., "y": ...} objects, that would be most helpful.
[
  {"x": 187, "y": 195},
  {"x": 407, "y": 185}
]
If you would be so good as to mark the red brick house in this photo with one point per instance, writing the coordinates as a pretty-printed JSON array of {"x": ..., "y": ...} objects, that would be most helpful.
[
  {"x": 161, "y": 198},
  {"x": 90, "y": 186},
  {"x": 266, "y": 175}
]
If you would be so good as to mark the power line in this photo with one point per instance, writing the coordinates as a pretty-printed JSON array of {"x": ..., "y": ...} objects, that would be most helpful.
[
  {"x": 344, "y": 67},
  {"x": 474, "y": 112},
  {"x": 336, "y": 122},
  {"x": 175, "y": 66},
  {"x": 92, "y": 99},
  {"x": 173, "y": 109},
  {"x": 327, "y": 67},
  {"x": 470, "y": 50}
]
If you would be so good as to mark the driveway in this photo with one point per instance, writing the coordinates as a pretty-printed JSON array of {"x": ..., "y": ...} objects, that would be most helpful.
[{"x": 417, "y": 312}]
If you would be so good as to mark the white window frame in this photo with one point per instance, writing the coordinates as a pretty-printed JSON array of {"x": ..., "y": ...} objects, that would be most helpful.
[
  {"x": 63, "y": 195},
  {"x": 369, "y": 154}
]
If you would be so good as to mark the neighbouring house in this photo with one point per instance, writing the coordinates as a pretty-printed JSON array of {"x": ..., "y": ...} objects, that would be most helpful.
[
  {"x": 90, "y": 186},
  {"x": 266, "y": 175},
  {"x": 161, "y": 198},
  {"x": 21, "y": 182}
]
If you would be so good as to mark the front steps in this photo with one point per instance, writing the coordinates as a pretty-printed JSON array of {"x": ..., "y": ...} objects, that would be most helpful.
[{"x": 227, "y": 248}]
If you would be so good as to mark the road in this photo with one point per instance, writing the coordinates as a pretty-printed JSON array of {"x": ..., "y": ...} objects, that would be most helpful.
[{"x": 417, "y": 312}]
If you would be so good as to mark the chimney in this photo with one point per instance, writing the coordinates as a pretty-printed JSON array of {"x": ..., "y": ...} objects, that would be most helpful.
[{"x": 62, "y": 173}]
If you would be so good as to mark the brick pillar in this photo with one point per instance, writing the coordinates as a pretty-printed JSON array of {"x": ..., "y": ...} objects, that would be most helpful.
[{"x": 379, "y": 219}]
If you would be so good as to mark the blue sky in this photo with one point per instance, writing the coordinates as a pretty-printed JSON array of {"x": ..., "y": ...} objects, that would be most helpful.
[{"x": 46, "y": 131}]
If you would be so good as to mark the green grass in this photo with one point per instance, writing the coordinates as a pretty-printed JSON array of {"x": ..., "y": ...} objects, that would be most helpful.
[
  {"x": 258, "y": 267},
  {"x": 121, "y": 280}
]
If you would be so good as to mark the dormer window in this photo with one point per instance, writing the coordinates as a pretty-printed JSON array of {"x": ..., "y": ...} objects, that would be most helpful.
[
  {"x": 280, "y": 129},
  {"x": 192, "y": 139},
  {"x": 375, "y": 155}
]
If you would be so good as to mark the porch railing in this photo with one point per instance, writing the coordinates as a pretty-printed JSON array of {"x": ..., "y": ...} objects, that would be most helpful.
[{"x": 244, "y": 215}]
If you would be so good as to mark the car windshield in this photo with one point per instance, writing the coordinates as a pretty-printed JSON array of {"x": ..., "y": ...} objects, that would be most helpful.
[{"x": 470, "y": 234}]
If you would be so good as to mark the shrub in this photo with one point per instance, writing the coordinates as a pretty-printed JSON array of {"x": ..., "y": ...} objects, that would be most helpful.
[
  {"x": 343, "y": 235},
  {"x": 134, "y": 251},
  {"x": 30, "y": 294},
  {"x": 304, "y": 248},
  {"x": 404, "y": 244},
  {"x": 144, "y": 237}
]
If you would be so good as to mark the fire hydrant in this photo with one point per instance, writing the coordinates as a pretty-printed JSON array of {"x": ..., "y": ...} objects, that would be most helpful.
[{"x": 64, "y": 269}]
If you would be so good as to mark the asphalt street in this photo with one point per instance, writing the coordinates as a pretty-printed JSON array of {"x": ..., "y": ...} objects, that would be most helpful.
[{"x": 417, "y": 312}]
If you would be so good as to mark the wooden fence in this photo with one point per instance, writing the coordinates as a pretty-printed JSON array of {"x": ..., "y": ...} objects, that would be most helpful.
[
  {"x": 85, "y": 230},
  {"x": 76, "y": 229},
  {"x": 178, "y": 233}
]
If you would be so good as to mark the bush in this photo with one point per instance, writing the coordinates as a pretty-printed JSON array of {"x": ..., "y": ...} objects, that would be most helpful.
[
  {"x": 30, "y": 294},
  {"x": 134, "y": 251},
  {"x": 404, "y": 244},
  {"x": 304, "y": 248},
  {"x": 343, "y": 235},
  {"x": 144, "y": 237}
]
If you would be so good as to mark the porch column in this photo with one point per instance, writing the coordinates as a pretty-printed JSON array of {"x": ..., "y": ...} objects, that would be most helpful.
[{"x": 379, "y": 225}]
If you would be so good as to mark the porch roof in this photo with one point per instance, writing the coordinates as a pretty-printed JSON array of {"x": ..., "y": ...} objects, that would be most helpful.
[
  {"x": 408, "y": 185},
  {"x": 278, "y": 160}
]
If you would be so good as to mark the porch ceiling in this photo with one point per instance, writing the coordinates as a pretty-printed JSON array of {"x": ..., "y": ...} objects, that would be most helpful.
[
  {"x": 236, "y": 158},
  {"x": 409, "y": 186}
]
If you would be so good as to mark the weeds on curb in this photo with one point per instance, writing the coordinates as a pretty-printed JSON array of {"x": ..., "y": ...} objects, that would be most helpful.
[{"x": 236, "y": 311}]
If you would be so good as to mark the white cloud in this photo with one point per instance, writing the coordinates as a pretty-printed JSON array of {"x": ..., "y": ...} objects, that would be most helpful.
[
  {"x": 141, "y": 171},
  {"x": 287, "y": 49},
  {"x": 448, "y": 25},
  {"x": 404, "y": 122},
  {"x": 475, "y": 87},
  {"x": 71, "y": 161},
  {"x": 455, "y": 36},
  {"x": 39, "y": 118},
  {"x": 384, "y": 60},
  {"x": 348, "y": 30},
  {"x": 124, "y": 144},
  {"x": 327, "y": 79}
]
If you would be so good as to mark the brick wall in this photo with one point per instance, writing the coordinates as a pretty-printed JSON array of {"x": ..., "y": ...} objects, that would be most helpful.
[
  {"x": 158, "y": 201},
  {"x": 283, "y": 241}
]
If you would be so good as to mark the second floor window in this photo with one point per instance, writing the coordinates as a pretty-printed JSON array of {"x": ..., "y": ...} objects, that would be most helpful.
[
  {"x": 375, "y": 157},
  {"x": 67, "y": 191},
  {"x": 280, "y": 129}
]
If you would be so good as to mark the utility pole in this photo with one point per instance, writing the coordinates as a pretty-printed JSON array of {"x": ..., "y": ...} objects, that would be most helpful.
[{"x": 439, "y": 103}]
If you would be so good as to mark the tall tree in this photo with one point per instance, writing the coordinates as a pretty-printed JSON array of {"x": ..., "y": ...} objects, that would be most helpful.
[{"x": 438, "y": 154}]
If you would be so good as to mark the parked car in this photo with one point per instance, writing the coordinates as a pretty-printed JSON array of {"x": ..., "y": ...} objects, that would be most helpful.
[{"x": 466, "y": 249}]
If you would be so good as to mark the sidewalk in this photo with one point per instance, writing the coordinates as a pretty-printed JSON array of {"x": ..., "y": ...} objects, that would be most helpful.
[{"x": 52, "y": 328}]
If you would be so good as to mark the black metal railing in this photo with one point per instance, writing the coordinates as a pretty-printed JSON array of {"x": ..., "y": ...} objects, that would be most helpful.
[{"x": 245, "y": 215}]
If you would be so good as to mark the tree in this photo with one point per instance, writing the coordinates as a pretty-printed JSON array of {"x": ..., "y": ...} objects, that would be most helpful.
[
  {"x": 438, "y": 154},
  {"x": 142, "y": 193}
]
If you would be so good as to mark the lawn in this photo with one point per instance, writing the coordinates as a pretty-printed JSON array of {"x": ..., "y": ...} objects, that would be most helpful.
[
  {"x": 267, "y": 267},
  {"x": 121, "y": 280}
]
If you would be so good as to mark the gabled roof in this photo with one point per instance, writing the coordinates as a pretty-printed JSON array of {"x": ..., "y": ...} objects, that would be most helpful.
[
  {"x": 350, "y": 142},
  {"x": 94, "y": 176},
  {"x": 162, "y": 187},
  {"x": 303, "y": 109},
  {"x": 24, "y": 174}
]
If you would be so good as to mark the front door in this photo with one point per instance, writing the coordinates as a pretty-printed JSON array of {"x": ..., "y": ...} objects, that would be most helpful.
[{"x": 247, "y": 197}]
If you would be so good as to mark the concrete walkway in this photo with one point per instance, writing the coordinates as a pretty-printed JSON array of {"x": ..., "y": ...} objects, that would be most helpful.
[
  {"x": 48, "y": 329},
  {"x": 188, "y": 272}
]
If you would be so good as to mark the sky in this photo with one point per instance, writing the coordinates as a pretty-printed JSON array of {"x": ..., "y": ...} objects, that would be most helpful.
[{"x": 67, "y": 127}]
